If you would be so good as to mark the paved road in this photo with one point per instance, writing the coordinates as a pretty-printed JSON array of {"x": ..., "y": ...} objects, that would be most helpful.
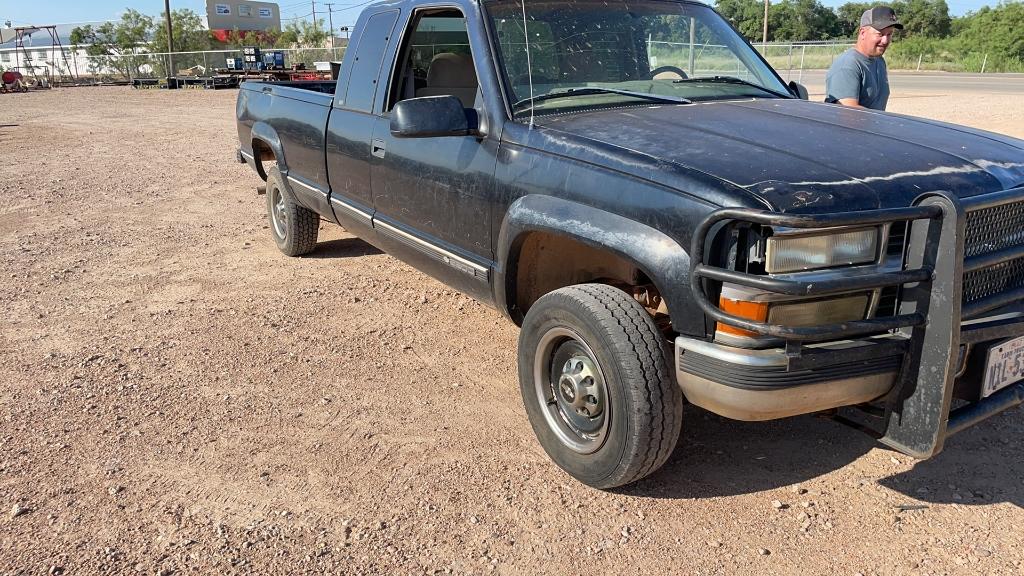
[{"x": 931, "y": 83}]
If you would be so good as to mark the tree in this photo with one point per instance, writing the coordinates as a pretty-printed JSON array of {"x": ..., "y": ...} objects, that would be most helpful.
[
  {"x": 800, "y": 20},
  {"x": 747, "y": 16},
  {"x": 189, "y": 32},
  {"x": 998, "y": 31},
  {"x": 919, "y": 17},
  {"x": 923, "y": 17},
  {"x": 849, "y": 17},
  {"x": 795, "y": 20},
  {"x": 304, "y": 33},
  {"x": 112, "y": 45}
]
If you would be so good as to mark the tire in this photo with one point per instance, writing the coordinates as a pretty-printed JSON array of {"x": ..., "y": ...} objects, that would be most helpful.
[
  {"x": 293, "y": 227},
  {"x": 595, "y": 379}
]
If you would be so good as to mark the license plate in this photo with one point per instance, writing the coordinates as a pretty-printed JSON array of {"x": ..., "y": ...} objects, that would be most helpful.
[{"x": 1005, "y": 366}]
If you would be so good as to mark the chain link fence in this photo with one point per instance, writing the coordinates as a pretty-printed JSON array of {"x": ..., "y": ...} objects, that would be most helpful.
[
  {"x": 791, "y": 59},
  {"x": 152, "y": 65}
]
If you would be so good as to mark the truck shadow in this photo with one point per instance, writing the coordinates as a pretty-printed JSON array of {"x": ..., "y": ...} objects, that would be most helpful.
[
  {"x": 344, "y": 248},
  {"x": 721, "y": 457},
  {"x": 981, "y": 465}
]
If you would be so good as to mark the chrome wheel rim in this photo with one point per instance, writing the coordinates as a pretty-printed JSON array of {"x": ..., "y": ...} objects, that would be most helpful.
[
  {"x": 571, "y": 390},
  {"x": 278, "y": 214}
]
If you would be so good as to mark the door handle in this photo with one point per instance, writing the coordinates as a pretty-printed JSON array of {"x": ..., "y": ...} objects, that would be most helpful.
[
  {"x": 267, "y": 89},
  {"x": 377, "y": 148}
]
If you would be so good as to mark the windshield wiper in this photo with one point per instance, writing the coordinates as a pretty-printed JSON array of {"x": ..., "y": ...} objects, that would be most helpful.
[
  {"x": 590, "y": 90},
  {"x": 730, "y": 80}
]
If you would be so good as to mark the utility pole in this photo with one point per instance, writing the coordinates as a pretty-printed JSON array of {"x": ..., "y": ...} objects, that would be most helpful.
[
  {"x": 330, "y": 21},
  {"x": 764, "y": 36},
  {"x": 314, "y": 13},
  {"x": 170, "y": 38}
]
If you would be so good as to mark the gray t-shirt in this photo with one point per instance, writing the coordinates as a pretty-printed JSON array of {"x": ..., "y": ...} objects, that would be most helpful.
[{"x": 854, "y": 75}]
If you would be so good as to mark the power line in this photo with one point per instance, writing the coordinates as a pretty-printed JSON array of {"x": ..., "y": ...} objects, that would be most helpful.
[
  {"x": 298, "y": 17},
  {"x": 354, "y": 6}
]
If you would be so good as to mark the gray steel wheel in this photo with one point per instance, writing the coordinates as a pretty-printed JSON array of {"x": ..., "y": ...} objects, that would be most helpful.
[
  {"x": 571, "y": 390},
  {"x": 293, "y": 227},
  {"x": 278, "y": 213}
]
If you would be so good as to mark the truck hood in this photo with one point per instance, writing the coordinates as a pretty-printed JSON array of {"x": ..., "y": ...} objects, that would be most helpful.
[{"x": 799, "y": 156}]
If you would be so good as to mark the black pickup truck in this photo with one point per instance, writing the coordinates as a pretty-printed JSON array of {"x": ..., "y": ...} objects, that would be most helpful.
[{"x": 665, "y": 218}]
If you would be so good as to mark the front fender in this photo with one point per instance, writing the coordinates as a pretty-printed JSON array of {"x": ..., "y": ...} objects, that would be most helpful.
[{"x": 660, "y": 257}]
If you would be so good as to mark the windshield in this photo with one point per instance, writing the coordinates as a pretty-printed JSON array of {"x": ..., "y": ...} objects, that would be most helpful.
[{"x": 623, "y": 51}]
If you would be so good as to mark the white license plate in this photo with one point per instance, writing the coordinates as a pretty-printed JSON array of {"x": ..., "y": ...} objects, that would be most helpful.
[{"x": 1005, "y": 366}]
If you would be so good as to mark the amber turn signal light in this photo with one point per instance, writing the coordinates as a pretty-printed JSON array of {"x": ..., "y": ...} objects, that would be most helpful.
[{"x": 756, "y": 311}]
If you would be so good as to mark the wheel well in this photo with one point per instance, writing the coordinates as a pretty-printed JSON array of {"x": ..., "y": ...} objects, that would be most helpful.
[
  {"x": 262, "y": 153},
  {"x": 547, "y": 262}
]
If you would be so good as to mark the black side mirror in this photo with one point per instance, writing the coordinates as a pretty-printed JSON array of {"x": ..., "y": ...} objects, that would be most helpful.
[
  {"x": 798, "y": 90},
  {"x": 429, "y": 116}
]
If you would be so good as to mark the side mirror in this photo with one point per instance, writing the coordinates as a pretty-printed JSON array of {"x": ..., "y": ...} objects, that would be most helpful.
[
  {"x": 429, "y": 116},
  {"x": 798, "y": 90}
]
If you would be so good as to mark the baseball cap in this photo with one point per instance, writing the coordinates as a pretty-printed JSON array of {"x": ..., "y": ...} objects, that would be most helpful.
[{"x": 880, "y": 18}]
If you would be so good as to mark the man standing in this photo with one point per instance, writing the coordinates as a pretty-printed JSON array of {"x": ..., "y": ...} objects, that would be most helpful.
[{"x": 858, "y": 78}]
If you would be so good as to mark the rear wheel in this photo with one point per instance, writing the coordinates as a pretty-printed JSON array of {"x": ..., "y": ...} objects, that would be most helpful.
[
  {"x": 595, "y": 379},
  {"x": 293, "y": 227}
]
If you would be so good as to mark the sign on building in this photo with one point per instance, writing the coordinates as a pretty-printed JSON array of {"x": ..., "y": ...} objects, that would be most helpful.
[{"x": 227, "y": 16}]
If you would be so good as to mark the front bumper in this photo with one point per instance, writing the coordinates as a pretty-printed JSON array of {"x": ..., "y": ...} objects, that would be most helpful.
[
  {"x": 760, "y": 385},
  {"x": 910, "y": 366}
]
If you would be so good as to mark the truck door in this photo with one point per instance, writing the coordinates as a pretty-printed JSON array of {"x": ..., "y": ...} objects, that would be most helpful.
[
  {"x": 351, "y": 123},
  {"x": 432, "y": 195}
]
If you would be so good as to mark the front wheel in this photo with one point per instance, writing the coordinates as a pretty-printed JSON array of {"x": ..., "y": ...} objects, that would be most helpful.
[{"x": 595, "y": 380}]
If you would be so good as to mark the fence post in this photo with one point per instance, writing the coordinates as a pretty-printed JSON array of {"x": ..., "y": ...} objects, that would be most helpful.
[
  {"x": 919, "y": 56},
  {"x": 205, "y": 65},
  {"x": 789, "y": 74},
  {"x": 803, "y": 50},
  {"x": 983, "y": 62}
]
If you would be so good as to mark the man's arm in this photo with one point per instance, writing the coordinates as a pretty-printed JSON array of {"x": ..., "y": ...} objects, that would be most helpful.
[{"x": 843, "y": 84}]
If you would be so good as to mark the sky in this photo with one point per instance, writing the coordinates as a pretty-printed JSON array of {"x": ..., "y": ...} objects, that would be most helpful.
[{"x": 23, "y": 12}]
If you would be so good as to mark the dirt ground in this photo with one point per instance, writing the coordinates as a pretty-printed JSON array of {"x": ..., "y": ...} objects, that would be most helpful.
[{"x": 176, "y": 397}]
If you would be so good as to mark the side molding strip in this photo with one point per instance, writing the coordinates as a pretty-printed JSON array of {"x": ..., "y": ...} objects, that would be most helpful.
[
  {"x": 457, "y": 262},
  {"x": 294, "y": 180},
  {"x": 351, "y": 211}
]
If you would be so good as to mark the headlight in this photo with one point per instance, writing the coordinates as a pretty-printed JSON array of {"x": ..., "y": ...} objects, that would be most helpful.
[{"x": 792, "y": 253}]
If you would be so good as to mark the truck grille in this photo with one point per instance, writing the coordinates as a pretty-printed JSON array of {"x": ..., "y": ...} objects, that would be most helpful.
[
  {"x": 989, "y": 230},
  {"x": 992, "y": 229}
]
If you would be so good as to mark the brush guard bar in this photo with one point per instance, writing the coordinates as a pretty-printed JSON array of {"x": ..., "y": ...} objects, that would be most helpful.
[{"x": 917, "y": 416}]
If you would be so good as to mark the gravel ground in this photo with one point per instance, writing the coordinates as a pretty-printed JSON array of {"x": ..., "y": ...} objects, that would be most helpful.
[{"x": 176, "y": 397}]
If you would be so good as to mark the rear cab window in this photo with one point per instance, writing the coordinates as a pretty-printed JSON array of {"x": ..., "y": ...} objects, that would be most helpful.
[{"x": 369, "y": 57}]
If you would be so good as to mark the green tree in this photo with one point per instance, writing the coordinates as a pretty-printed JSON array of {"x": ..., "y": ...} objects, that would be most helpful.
[
  {"x": 795, "y": 20},
  {"x": 849, "y": 17},
  {"x": 799, "y": 20},
  {"x": 747, "y": 16},
  {"x": 923, "y": 17},
  {"x": 919, "y": 17},
  {"x": 303, "y": 34},
  {"x": 112, "y": 45},
  {"x": 189, "y": 32},
  {"x": 998, "y": 31},
  {"x": 190, "y": 35}
]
